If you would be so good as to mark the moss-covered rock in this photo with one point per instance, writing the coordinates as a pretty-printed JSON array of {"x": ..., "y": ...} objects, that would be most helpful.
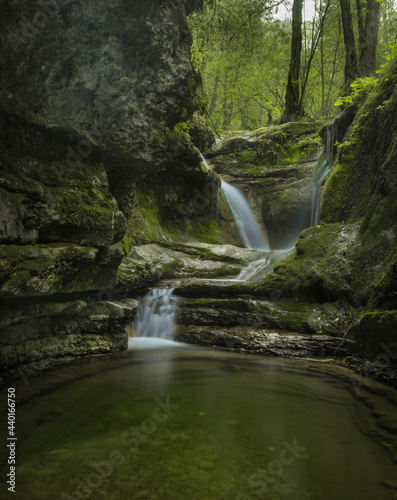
[
  {"x": 146, "y": 265},
  {"x": 351, "y": 258},
  {"x": 376, "y": 334},
  {"x": 129, "y": 78},
  {"x": 202, "y": 135},
  {"x": 47, "y": 332},
  {"x": 80, "y": 124},
  {"x": 367, "y": 155},
  {"x": 275, "y": 167},
  {"x": 318, "y": 270}
]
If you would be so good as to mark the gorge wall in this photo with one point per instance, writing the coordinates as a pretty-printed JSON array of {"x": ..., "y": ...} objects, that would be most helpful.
[
  {"x": 349, "y": 262},
  {"x": 90, "y": 101},
  {"x": 101, "y": 189}
]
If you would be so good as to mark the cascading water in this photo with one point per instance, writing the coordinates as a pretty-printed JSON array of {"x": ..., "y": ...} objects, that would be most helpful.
[
  {"x": 251, "y": 234},
  {"x": 156, "y": 315},
  {"x": 322, "y": 172},
  {"x": 205, "y": 163}
]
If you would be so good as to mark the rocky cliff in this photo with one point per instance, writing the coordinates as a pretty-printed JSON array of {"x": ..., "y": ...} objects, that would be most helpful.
[
  {"x": 275, "y": 167},
  {"x": 350, "y": 260},
  {"x": 91, "y": 95}
]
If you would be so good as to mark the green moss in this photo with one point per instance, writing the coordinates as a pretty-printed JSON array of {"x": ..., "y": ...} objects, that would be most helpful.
[
  {"x": 342, "y": 193},
  {"x": 274, "y": 147},
  {"x": 295, "y": 322},
  {"x": 287, "y": 130},
  {"x": 126, "y": 243},
  {"x": 349, "y": 188},
  {"x": 178, "y": 140},
  {"x": 210, "y": 233},
  {"x": 144, "y": 225},
  {"x": 201, "y": 302},
  {"x": 216, "y": 273}
]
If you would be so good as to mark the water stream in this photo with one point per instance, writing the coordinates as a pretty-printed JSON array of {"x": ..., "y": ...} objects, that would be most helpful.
[
  {"x": 202, "y": 424},
  {"x": 322, "y": 172},
  {"x": 251, "y": 234},
  {"x": 156, "y": 315}
]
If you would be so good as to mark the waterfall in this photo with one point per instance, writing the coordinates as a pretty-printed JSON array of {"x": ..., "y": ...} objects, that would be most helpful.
[
  {"x": 251, "y": 233},
  {"x": 156, "y": 315},
  {"x": 322, "y": 172},
  {"x": 205, "y": 163}
]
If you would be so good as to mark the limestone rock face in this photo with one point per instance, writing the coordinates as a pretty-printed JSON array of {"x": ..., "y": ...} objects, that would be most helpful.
[
  {"x": 274, "y": 166},
  {"x": 62, "y": 329},
  {"x": 107, "y": 75},
  {"x": 91, "y": 92},
  {"x": 352, "y": 254}
]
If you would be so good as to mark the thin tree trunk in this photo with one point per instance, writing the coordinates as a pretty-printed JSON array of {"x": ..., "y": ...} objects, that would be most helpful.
[
  {"x": 213, "y": 102},
  {"x": 313, "y": 49},
  {"x": 351, "y": 64},
  {"x": 368, "y": 51},
  {"x": 360, "y": 24},
  {"x": 292, "y": 101},
  {"x": 322, "y": 76}
]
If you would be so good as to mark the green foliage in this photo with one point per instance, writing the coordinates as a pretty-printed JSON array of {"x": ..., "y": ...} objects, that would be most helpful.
[
  {"x": 390, "y": 54},
  {"x": 242, "y": 53},
  {"x": 359, "y": 88}
]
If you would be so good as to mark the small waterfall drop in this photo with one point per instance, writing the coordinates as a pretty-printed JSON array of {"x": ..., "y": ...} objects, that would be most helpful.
[
  {"x": 322, "y": 172},
  {"x": 205, "y": 163},
  {"x": 251, "y": 234},
  {"x": 156, "y": 315}
]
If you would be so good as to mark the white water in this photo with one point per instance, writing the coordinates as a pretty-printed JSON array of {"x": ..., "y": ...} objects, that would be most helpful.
[
  {"x": 152, "y": 343},
  {"x": 156, "y": 315},
  {"x": 205, "y": 163},
  {"x": 251, "y": 233},
  {"x": 322, "y": 172},
  {"x": 259, "y": 268}
]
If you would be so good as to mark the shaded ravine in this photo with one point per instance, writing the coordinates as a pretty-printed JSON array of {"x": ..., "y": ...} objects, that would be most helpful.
[{"x": 157, "y": 314}]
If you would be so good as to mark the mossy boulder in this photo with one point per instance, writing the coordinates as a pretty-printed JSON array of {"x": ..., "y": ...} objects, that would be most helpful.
[
  {"x": 202, "y": 135},
  {"x": 146, "y": 265},
  {"x": 38, "y": 270},
  {"x": 318, "y": 270},
  {"x": 366, "y": 156},
  {"x": 113, "y": 91}
]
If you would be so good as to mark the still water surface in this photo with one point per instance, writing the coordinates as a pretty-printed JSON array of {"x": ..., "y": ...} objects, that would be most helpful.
[{"x": 202, "y": 424}]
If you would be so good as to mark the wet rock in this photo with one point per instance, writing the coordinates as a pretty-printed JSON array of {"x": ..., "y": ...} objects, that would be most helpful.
[
  {"x": 90, "y": 103},
  {"x": 103, "y": 88},
  {"x": 44, "y": 333},
  {"x": 274, "y": 166},
  {"x": 146, "y": 265},
  {"x": 202, "y": 135},
  {"x": 267, "y": 342}
]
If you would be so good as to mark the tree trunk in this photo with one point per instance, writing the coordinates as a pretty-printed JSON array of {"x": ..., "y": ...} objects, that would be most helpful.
[
  {"x": 351, "y": 64},
  {"x": 368, "y": 50},
  {"x": 292, "y": 101},
  {"x": 360, "y": 25}
]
